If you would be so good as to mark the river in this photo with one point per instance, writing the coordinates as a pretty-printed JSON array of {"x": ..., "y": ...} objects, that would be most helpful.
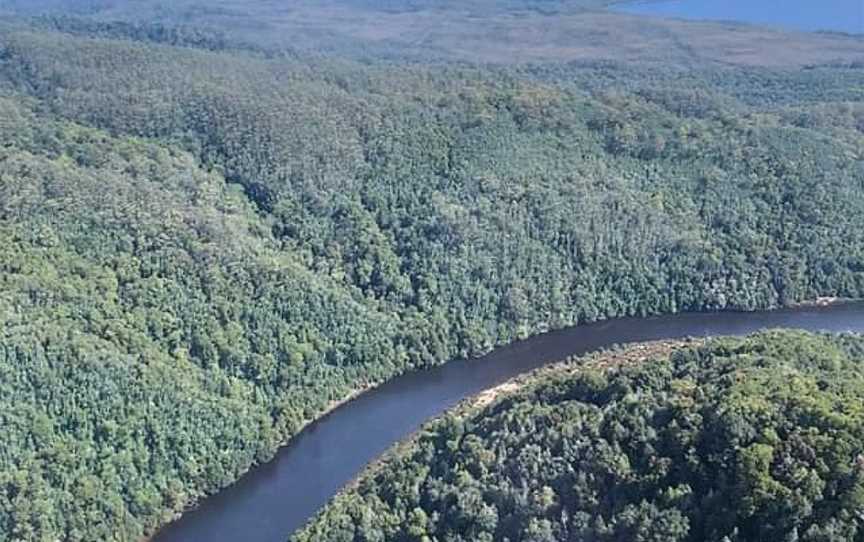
[
  {"x": 275, "y": 499},
  {"x": 837, "y": 15}
]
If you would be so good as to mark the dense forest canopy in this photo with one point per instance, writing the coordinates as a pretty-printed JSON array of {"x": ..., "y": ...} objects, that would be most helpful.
[
  {"x": 738, "y": 440},
  {"x": 204, "y": 242}
]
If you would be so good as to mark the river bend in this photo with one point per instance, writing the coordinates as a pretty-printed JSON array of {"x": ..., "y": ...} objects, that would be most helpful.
[{"x": 275, "y": 499}]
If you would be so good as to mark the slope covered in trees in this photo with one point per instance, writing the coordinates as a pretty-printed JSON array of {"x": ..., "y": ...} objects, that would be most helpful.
[
  {"x": 200, "y": 250},
  {"x": 498, "y": 31},
  {"x": 734, "y": 440}
]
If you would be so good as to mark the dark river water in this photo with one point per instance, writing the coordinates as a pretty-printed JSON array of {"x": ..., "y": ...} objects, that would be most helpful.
[
  {"x": 275, "y": 499},
  {"x": 837, "y": 15}
]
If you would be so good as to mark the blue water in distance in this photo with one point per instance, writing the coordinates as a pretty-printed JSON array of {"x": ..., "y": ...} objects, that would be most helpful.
[{"x": 809, "y": 15}]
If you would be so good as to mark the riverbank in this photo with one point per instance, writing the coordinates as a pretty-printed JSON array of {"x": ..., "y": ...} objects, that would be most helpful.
[
  {"x": 600, "y": 443},
  {"x": 275, "y": 499},
  {"x": 607, "y": 359},
  {"x": 630, "y": 354},
  {"x": 329, "y": 409},
  {"x": 603, "y": 360},
  {"x": 823, "y": 302},
  {"x": 633, "y": 353}
]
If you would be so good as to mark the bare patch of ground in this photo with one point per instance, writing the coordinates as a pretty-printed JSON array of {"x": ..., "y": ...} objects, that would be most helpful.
[{"x": 603, "y": 360}]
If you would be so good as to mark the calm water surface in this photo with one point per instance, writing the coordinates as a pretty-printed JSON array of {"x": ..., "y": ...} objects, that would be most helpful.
[
  {"x": 810, "y": 15},
  {"x": 272, "y": 501}
]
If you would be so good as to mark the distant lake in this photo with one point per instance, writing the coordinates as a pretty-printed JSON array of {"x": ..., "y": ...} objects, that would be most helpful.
[{"x": 810, "y": 15}]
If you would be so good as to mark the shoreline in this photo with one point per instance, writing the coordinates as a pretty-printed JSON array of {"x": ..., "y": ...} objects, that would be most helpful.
[
  {"x": 507, "y": 386},
  {"x": 826, "y": 301},
  {"x": 603, "y": 359},
  {"x": 332, "y": 406}
]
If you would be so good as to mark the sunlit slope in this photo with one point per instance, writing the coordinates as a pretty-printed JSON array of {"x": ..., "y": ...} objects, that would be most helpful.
[
  {"x": 150, "y": 333},
  {"x": 201, "y": 250},
  {"x": 745, "y": 439}
]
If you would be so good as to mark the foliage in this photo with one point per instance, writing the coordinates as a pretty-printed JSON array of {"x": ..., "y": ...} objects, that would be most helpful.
[
  {"x": 737, "y": 440},
  {"x": 201, "y": 250}
]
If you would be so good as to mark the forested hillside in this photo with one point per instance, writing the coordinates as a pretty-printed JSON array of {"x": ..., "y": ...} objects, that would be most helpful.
[
  {"x": 201, "y": 249},
  {"x": 496, "y": 31},
  {"x": 734, "y": 440}
]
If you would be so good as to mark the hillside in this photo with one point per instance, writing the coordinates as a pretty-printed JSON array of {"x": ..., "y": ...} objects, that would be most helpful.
[
  {"x": 763, "y": 432},
  {"x": 486, "y": 31},
  {"x": 203, "y": 247}
]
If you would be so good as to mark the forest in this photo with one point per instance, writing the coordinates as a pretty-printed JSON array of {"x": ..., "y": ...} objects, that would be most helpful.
[
  {"x": 206, "y": 243},
  {"x": 765, "y": 432},
  {"x": 461, "y": 31}
]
